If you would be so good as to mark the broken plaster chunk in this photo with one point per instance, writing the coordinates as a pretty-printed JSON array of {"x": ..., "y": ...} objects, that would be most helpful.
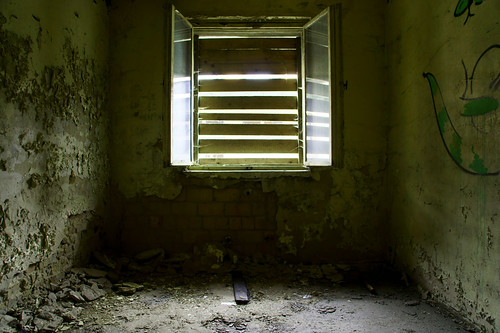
[
  {"x": 94, "y": 273},
  {"x": 128, "y": 288},
  {"x": 137, "y": 286},
  {"x": 8, "y": 321},
  {"x": 104, "y": 260},
  {"x": 412, "y": 303},
  {"x": 150, "y": 254},
  {"x": 75, "y": 296},
  {"x": 90, "y": 294},
  {"x": 49, "y": 323},
  {"x": 127, "y": 291}
]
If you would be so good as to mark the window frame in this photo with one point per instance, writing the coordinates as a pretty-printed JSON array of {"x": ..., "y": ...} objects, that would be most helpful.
[{"x": 335, "y": 94}]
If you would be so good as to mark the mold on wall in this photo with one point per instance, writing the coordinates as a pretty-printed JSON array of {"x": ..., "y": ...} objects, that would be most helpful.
[
  {"x": 53, "y": 138},
  {"x": 443, "y": 151},
  {"x": 331, "y": 216}
]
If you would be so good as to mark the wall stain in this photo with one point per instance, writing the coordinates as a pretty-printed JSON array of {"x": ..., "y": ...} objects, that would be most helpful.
[{"x": 53, "y": 125}]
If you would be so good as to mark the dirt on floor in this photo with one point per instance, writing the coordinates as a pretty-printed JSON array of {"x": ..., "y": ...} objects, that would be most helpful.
[{"x": 283, "y": 298}]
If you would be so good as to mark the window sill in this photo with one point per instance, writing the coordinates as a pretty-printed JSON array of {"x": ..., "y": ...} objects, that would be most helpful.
[{"x": 247, "y": 172}]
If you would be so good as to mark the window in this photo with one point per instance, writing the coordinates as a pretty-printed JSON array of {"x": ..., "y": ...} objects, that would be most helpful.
[{"x": 267, "y": 98}]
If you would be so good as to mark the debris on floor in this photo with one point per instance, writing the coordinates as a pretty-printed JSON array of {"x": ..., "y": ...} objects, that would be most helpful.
[{"x": 149, "y": 293}]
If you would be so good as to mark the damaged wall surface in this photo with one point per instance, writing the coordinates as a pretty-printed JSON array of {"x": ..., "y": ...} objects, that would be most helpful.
[
  {"x": 444, "y": 150},
  {"x": 53, "y": 138},
  {"x": 334, "y": 215}
]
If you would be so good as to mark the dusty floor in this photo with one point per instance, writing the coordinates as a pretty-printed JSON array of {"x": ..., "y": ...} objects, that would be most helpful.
[{"x": 283, "y": 299}]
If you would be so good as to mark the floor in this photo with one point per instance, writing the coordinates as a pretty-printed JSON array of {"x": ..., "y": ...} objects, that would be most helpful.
[{"x": 283, "y": 298}]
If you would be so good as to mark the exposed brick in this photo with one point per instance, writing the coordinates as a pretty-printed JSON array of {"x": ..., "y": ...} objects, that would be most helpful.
[
  {"x": 226, "y": 195},
  {"x": 259, "y": 209},
  {"x": 221, "y": 223},
  {"x": 193, "y": 237},
  {"x": 238, "y": 209},
  {"x": 262, "y": 223},
  {"x": 154, "y": 221},
  {"x": 181, "y": 196},
  {"x": 199, "y": 194},
  {"x": 157, "y": 207},
  {"x": 184, "y": 208},
  {"x": 168, "y": 223},
  {"x": 218, "y": 235},
  {"x": 235, "y": 223},
  {"x": 189, "y": 222},
  {"x": 271, "y": 206},
  {"x": 211, "y": 209},
  {"x": 248, "y": 223},
  {"x": 248, "y": 236},
  {"x": 209, "y": 222},
  {"x": 253, "y": 195}
]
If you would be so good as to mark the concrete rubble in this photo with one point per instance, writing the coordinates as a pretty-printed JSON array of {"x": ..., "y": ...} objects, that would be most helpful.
[{"x": 57, "y": 306}]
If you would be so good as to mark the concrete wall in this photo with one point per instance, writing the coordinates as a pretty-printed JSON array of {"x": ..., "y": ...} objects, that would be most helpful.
[
  {"x": 334, "y": 215},
  {"x": 53, "y": 137},
  {"x": 444, "y": 180}
]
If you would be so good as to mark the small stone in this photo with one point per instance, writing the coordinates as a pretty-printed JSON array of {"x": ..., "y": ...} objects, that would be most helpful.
[
  {"x": 137, "y": 286},
  {"x": 104, "y": 260},
  {"x": 150, "y": 254},
  {"x": 103, "y": 283},
  {"x": 412, "y": 303},
  {"x": 8, "y": 321},
  {"x": 26, "y": 317},
  {"x": 52, "y": 297},
  {"x": 94, "y": 273},
  {"x": 49, "y": 323},
  {"x": 89, "y": 294},
  {"x": 66, "y": 305},
  {"x": 126, "y": 290},
  {"x": 75, "y": 296},
  {"x": 71, "y": 315}
]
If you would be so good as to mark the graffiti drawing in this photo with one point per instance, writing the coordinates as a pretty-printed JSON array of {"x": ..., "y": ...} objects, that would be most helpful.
[
  {"x": 473, "y": 147},
  {"x": 464, "y": 6}
]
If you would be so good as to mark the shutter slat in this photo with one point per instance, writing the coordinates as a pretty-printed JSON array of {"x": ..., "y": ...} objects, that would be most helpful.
[
  {"x": 248, "y": 130},
  {"x": 248, "y": 85},
  {"x": 256, "y": 146},
  {"x": 248, "y": 102},
  {"x": 247, "y": 43}
]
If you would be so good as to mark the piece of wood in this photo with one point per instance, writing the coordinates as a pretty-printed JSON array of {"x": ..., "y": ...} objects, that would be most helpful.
[{"x": 240, "y": 289}]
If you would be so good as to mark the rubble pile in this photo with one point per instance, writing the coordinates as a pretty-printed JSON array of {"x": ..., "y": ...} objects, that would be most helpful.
[
  {"x": 56, "y": 307},
  {"x": 58, "y": 304}
]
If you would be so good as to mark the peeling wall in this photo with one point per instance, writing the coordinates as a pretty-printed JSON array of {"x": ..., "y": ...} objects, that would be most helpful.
[
  {"x": 444, "y": 150},
  {"x": 332, "y": 216},
  {"x": 53, "y": 138}
]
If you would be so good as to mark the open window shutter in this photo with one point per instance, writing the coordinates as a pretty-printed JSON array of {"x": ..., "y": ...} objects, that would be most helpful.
[
  {"x": 322, "y": 89},
  {"x": 181, "y": 92}
]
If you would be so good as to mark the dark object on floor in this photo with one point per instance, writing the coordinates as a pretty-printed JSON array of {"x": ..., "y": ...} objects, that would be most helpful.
[{"x": 240, "y": 289}]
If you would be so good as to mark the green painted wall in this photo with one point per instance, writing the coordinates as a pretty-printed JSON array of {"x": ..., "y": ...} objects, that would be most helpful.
[
  {"x": 53, "y": 138},
  {"x": 444, "y": 141},
  {"x": 335, "y": 215}
]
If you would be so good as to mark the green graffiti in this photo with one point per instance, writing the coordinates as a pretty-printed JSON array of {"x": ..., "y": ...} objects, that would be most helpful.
[
  {"x": 480, "y": 106},
  {"x": 464, "y": 6},
  {"x": 452, "y": 140},
  {"x": 478, "y": 164},
  {"x": 433, "y": 84},
  {"x": 442, "y": 119},
  {"x": 456, "y": 148}
]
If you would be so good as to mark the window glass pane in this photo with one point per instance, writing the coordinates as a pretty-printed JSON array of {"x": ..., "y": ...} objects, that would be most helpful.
[
  {"x": 181, "y": 118},
  {"x": 317, "y": 87}
]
